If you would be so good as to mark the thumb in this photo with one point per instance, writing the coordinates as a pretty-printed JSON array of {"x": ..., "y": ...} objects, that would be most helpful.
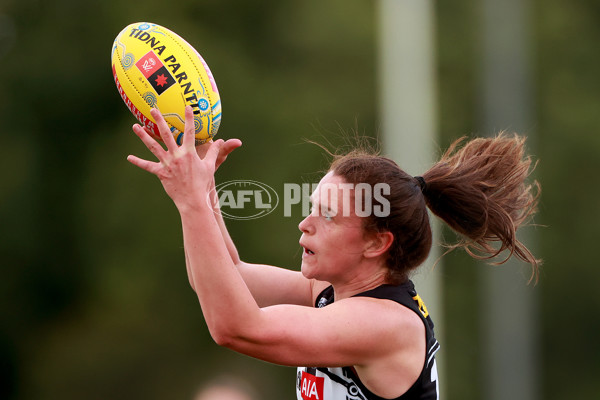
[
  {"x": 213, "y": 152},
  {"x": 229, "y": 146}
]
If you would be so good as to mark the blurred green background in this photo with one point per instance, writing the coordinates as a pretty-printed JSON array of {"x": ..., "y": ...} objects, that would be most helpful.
[{"x": 95, "y": 301}]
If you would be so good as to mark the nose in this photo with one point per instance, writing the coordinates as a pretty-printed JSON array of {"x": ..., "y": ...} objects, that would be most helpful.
[{"x": 306, "y": 225}]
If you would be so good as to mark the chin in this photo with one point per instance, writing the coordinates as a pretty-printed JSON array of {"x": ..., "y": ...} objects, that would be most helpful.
[{"x": 306, "y": 271}]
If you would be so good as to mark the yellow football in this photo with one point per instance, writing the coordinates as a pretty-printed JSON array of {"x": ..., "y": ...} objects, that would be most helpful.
[{"x": 153, "y": 67}]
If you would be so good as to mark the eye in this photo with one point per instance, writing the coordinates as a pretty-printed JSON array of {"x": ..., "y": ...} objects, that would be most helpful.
[{"x": 328, "y": 216}]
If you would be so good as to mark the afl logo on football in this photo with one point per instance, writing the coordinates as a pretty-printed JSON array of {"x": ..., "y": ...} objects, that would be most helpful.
[
  {"x": 245, "y": 199},
  {"x": 149, "y": 64}
]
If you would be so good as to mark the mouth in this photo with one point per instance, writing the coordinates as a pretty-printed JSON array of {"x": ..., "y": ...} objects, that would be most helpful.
[{"x": 307, "y": 251}]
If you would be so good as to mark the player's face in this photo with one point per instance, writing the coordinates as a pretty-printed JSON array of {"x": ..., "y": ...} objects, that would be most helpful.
[{"x": 332, "y": 238}]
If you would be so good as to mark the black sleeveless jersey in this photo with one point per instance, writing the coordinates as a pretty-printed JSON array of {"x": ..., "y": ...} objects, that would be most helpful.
[{"x": 344, "y": 384}]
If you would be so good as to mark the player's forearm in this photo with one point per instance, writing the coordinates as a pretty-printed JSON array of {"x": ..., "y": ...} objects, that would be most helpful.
[
  {"x": 224, "y": 234},
  {"x": 214, "y": 201},
  {"x": 226, "y": 302}
]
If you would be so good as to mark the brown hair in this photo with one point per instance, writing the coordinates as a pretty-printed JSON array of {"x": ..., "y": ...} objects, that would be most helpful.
[{"x": 478, "y": 189}]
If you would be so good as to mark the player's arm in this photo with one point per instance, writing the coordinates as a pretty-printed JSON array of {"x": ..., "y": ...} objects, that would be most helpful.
[
  {"x": 382, "y": 339},
  {"x": 355, "y": 331}
]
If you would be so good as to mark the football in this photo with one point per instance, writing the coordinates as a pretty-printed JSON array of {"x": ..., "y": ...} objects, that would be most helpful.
[{"x": 154, "y": 67}]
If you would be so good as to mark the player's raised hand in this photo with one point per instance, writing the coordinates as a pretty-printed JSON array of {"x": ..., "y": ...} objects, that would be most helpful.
[{"x": 185, "y": 176}]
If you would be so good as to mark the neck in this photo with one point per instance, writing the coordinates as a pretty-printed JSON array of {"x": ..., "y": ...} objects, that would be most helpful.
[{"x": 348, "y": 289}]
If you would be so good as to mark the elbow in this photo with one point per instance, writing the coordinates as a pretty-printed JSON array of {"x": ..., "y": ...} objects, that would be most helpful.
[
  {"x": 223, "y": 339},
  {"x": 236, "y": 337},
  {"x": 227, "y": 337}
]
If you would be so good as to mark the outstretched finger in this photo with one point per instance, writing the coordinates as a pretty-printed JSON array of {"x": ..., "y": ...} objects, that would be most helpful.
[
  {"x": 152, "y": 134},
  {"x": 163, "y": 128},
  {"x": 189, "y": 132},
  {"x": 146, "y": 165},
  {"x": 150, "y": 142}
]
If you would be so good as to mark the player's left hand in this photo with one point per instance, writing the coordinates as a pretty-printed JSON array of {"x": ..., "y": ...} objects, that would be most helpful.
[{"x": 184, "y": 175}]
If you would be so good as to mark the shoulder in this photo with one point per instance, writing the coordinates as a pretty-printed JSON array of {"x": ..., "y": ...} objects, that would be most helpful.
[
  {"x": 399, "y": 324},
  {"x": 378, "y": 328},
  {"x": 380, "y": 313},
  {"x": 395, "y": 337}
]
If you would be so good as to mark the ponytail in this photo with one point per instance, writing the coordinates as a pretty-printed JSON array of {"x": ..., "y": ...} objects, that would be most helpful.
[{"x": 480, "y": 191}]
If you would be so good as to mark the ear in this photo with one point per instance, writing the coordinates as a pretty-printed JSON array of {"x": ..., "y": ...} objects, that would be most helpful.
[{"x": 378, "y": 244}]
